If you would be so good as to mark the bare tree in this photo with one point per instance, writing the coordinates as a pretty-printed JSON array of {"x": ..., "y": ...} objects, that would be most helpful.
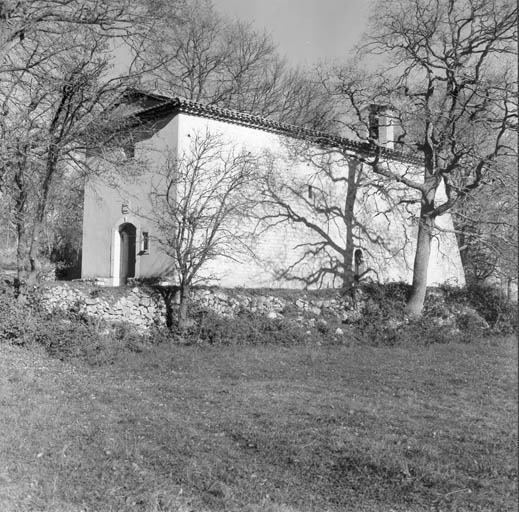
[
  {"x": 199, "y": 55},
  {"x": 448, "y": 77},
  {"x": 55, "y": 94},
  {"x": 201, "y": 202},
  {"x": 486, "y": 226},
  {"x": 30, "y": 23},
  {"x": 61, "y": 241},
  {"x": 52, "y": 115}
]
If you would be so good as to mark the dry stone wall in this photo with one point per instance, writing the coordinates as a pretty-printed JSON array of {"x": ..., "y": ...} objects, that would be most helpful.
[{"x": 144, "y": 306}]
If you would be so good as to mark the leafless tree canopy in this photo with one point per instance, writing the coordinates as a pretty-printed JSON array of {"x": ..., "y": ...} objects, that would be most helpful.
[
  {"x": 445, "y": 69},
  {"x": 204, "y": 57},
  {"x": 200, "y": 204},
  {"x": 486, "y": 225},
  {"x": 49, "y": 27},
  {"x": 53, "y": 98}
]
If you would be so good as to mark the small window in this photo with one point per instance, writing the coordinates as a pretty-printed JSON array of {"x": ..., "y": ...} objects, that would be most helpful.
[
  {"x": 128, "y": 145},
  {"x": 310, "y": 192},
  {"x": 129, "y": 149},
  {"x": 145, "y": 248}
]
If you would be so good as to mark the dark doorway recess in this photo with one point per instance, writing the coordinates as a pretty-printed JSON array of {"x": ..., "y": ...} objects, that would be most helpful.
[{"x": 128, "y": 233}]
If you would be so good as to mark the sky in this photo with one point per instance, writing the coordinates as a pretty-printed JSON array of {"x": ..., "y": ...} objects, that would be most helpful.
[{"x": 306, "y": 31}]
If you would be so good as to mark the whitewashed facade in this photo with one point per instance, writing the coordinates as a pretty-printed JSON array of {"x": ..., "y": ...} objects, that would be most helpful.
[{"x": 118, "y": 229}]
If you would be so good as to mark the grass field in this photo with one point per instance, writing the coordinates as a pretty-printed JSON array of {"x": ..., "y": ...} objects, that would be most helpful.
[{"x": 300, "y": 428}]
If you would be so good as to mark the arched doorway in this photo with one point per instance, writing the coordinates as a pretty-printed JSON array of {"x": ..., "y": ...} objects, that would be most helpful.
[{"x": 128, "y": 236}]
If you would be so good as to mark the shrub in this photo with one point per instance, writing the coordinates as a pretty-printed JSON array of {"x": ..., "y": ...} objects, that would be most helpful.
[
  {"x": 66, "y": 335},
  {"x": 17, "y": 323},
  {"x": 382, "y": 302},
  {"x": 67, "y": 338},
  {"x": 323, "y": 327},
  {"x": 245, "y": 328},
  {"x": 382, "y": 312},
  {"x": 489, "y": 303},
  {"x": 450, "y": 315},
  {"x": 252, "y": 329},
  {"x": 493, "y": 307}
]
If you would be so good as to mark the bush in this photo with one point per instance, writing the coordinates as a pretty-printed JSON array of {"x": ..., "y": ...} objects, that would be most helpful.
[
  {"x": 252, "y": 329},
  {"x": 382, "y": 302},
  {"x": 490, "y": 305},
  {"x": 382, "y": 312},
  {"x": 67, "y": 338},
  {"x": 17, "y": 323},
  {"x": 77, "y": 337},
  {"x": 66, "y": 335},
  {"x": 450, "y": 315},
  {"x": 494, "y": 308},
  {"x": 245, "y": 328}
]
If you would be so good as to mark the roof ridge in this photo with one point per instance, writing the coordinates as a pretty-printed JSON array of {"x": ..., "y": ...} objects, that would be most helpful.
[{"x": 248, "y": 119}]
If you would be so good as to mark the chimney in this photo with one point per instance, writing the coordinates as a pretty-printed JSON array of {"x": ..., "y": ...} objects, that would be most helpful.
[{"x": 381, "y": 125}]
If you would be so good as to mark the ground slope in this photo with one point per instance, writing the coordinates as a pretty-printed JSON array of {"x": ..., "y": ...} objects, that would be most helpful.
[{"x": 299, "y": 428}]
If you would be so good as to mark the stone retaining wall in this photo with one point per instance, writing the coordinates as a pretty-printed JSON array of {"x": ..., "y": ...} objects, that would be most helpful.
[
  {"x": 144, "y": 306},
  {"x": 140, "y": 306}
]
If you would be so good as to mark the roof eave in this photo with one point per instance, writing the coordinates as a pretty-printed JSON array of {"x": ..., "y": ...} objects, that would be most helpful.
[{"x": 178, "y": 105}]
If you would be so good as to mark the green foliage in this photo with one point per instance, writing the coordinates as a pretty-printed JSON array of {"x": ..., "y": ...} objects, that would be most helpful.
[
  {"x": 394, "y": 293},
  {"x": 67, "y": 335},
  {"x": 382, "y": 313},
  {"x": 383, "y": 301},
  {"x": 67, "y": 338},
  {"x": 475, "y": 307},
  {"x": 17, "y": 324},
  {"x": 493, "y": 307},
  {"x": 244, "y": 329},
  {"x": 450, "y": 315}
]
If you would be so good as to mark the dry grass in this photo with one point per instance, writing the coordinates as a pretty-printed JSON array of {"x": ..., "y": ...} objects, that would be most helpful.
[{"x": 300, "y": 428}]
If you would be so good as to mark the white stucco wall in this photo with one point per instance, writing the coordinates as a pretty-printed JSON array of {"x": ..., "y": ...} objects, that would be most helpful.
[
  {"x": 393, "y": 228},
  {"x": 105, "y": 195},
  {"x": 276, "y": 248}
]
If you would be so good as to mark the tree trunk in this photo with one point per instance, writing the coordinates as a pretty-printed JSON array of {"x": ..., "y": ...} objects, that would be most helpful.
[
  {"x": 509, "y": 289},
  {"x": 19, "y": 219},
  {"x": 421, "y": 260},
  {"x": 20, "y": 261},
  {"x": 34, "y": 261},
  {"x": 34, "y": 248},
  {"x": 20, "y": 256},
  {"x": 183, "y": 318},
  {"x": 349, "y": 218},
  {"x": 168, "y": 293}
]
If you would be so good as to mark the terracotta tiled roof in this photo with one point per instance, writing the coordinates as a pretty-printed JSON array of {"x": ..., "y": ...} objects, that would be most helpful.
[{"x": 170, "y": 105}]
